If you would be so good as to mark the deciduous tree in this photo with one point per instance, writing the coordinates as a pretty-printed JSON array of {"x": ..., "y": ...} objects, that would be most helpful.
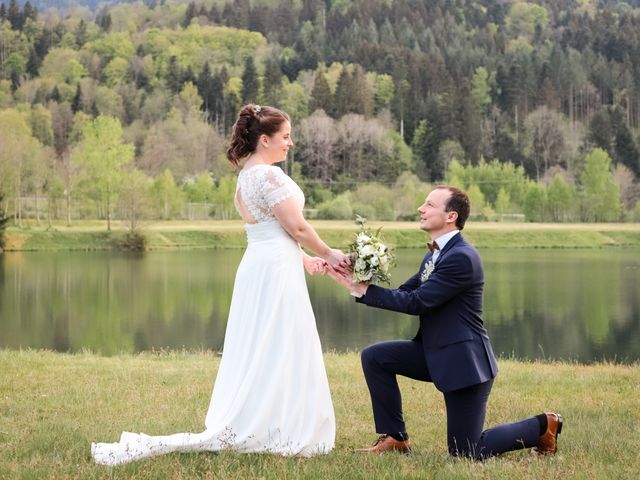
[
  {"x": 561, "y": 197},
  {"x": 600, "y": 194},
  {"x": 102, "y": 156}
]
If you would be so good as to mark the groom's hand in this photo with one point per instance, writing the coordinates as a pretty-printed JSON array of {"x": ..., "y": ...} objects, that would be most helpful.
[{"x": 346, "y": 280}]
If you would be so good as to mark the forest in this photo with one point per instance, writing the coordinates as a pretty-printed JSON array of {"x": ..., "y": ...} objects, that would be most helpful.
[{"x": 123, "y": 110}]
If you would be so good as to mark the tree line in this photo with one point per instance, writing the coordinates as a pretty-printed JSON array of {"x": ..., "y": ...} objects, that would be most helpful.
[{"x": 99, "y": 107}]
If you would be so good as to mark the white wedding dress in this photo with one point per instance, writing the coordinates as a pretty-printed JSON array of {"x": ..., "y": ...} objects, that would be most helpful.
[{"x": 271, "y": 393}]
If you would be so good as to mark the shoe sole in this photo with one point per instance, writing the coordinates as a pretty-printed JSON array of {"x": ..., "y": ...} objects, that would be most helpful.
[
  {"x": 367, "y": 451},
  {"x": 560, "y": 422}
]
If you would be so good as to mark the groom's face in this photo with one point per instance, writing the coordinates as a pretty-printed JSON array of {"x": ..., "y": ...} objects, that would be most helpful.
[{"x": 433, "y": 217}]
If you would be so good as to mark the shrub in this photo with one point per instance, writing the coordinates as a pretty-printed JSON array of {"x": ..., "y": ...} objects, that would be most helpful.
[
  {"x": 408, "y": 194},
  {"x": 338, "y": 208},
  {"x": 373, "y": 201},
  {"x": 132, "y": 240}
]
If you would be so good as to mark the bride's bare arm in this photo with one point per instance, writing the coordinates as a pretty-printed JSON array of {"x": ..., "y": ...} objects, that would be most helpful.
[{"x": 290, "y": 217}]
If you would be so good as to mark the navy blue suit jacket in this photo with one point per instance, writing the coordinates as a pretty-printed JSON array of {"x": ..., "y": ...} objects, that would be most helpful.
[{"x": 455, "y": 343}]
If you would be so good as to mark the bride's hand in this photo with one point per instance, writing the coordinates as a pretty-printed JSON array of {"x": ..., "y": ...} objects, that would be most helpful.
[
  {"x": 314, "y": 265},
  {"x": 338, "y": 261}
]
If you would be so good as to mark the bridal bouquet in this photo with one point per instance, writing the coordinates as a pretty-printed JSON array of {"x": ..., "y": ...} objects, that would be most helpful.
[{"x": 370, "y": 258}]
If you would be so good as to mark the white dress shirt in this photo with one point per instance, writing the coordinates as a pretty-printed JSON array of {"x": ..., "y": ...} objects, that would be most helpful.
[{"x": 442, "y": 240}]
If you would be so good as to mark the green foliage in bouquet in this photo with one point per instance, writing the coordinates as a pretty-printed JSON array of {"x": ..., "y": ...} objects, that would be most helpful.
[{"x": 370, "y": 257}]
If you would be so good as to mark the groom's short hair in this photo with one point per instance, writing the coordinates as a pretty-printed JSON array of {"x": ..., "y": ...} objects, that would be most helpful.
[{"x": 457, "y": 202}]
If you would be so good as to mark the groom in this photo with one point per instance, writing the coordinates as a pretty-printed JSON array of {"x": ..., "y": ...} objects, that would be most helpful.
[{"x": 451, "y": 349}]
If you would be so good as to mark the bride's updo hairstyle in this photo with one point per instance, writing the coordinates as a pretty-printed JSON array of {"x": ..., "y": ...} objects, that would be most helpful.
[{"x": 252, "y": 122}]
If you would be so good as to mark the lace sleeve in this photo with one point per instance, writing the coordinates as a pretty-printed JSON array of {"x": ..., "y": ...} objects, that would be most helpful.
[{"x": 276, "y": 187}]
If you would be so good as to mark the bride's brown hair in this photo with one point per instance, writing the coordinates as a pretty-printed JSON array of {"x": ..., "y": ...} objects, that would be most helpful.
[{"x": 253, "y": 121}]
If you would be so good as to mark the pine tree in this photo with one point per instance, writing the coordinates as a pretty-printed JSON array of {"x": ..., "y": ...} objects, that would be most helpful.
[
  {"x": 3, "y": 12},
  {"x": 29, "y": 12},
  {"x": 42, "y": 45},
  {"x": 174, "y": 76},
  {"x": 626, "y": 151},
  {"x": 55, "y": 95},
  {"x": 216, "y": 102},
  {"x": 203, "y": 84},
  {"x": 601, "y": 131},
  {"x": 227, "y": 16},
  {"x": 188, "y": 77},
  {"x": 425, "y": 145},
  {"x": 214, "y": 15},
  {"x": 33, "y": 64},
  {"x": 81, "y": 33},
  {"x": 203, "y": 81},
  {"x": 15, "y": 80},
  {"x": 76, "y": 105},
  {"x": 361, "y": 95},
  {"x": 250, "y": 82},
  {"x": 103, "y": 19},
  {"x": 272, "y": 80},
  {"x": 238, "y": 14},
  {"x": 320, "y": 94},
  {"x": 232, "y": 104},
  {"x": 342, "y": 96},
  {"x": 15, "y": 16},
  {"x": 470, "y": 132},
  {"x": 189, "y": 15}
]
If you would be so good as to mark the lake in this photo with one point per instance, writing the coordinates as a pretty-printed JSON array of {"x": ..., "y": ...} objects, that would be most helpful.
[{"x": 581, "y": 305}]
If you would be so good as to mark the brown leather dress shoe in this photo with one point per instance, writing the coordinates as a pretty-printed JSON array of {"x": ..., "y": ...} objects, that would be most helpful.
[
  {"x": 548, "y": 443},
  {"x": 386, "y": 443}
]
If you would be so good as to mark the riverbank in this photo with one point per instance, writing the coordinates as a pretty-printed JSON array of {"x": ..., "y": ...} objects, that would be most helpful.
[
  {"x": 93, "y": 235},
  {"x": 53, "y": 405}
]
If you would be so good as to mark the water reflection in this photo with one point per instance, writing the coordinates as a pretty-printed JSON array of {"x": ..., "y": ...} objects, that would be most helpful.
[{"x": 568, "y": 304}]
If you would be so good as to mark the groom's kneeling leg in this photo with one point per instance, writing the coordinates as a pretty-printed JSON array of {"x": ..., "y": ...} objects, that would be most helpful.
[
  {"x": 466, "y": 410},
  {"x": 465, "y": 418}
]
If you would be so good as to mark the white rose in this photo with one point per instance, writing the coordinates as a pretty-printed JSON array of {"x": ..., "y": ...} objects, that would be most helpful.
[
  {"x": 363, "y": 238},
  {"x": 367, "y": 250},
  {"x": 360, "y": 265},
  {"x": 374, "y": 261}
]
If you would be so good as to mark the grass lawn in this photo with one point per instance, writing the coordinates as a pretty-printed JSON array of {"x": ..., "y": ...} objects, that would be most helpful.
[
  {"x": 93, "y": 235},
  {"x": 53, "y": 405}
]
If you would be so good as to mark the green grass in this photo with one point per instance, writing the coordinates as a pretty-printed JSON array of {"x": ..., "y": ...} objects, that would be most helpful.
[
  {"x": 92, "y": 235},
  {"x": 53, "y": 405}
]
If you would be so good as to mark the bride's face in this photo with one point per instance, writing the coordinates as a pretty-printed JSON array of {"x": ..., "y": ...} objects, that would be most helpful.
[{"x": 276, "y": 147}]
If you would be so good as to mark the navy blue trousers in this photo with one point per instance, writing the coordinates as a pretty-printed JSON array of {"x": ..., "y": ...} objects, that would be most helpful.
[{"x": 466, "y": 408}]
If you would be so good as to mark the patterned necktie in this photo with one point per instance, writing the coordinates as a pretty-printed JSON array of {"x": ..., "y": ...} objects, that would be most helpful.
[{"x": 433, "y": 246}]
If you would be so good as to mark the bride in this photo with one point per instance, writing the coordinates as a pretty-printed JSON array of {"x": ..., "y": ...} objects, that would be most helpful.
[{"x": 271, "y": 393}]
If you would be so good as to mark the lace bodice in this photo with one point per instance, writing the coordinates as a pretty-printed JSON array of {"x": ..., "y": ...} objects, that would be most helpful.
[{"x": 262, "y": 187}]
